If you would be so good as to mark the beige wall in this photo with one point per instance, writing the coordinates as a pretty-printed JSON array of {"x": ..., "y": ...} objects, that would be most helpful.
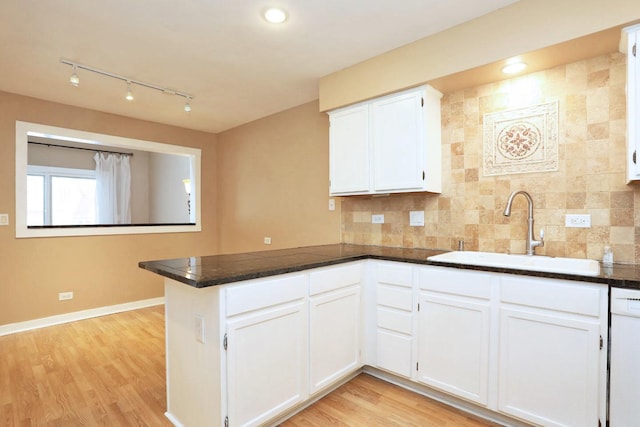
[
  {"x": 522, "y": 27},
  {"x": 273, "y": 178},
  {"x": 590, "y": 179},
  {"x": 100, "y": 270}
]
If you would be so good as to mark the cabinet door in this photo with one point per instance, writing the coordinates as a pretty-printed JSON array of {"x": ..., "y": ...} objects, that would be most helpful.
[
  {"x": 453, "y": 345},
  {"x": 633, "y": 103},
  {"x": 398, "y": 141},
  {"x": 334, "y": 336},
  {"x": 548, "y": 370},
  {"x": 266, "y": 363},
  {"x": 349, "y": 150}
]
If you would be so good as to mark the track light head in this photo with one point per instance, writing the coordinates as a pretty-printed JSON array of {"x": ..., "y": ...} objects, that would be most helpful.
[
  {"x": 187, "y": 105},
  {"x": 129, "y": 96},
  {"x": 74, "y": 79}
]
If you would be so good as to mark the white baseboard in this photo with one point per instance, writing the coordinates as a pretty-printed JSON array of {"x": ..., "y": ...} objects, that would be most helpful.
[
  {"x": 13, "y": 328},
  {"x": 173, "y": 419}
]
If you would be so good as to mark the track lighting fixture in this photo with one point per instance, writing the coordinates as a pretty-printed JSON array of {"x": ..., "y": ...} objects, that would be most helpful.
[
  {"x": 75, "y": 81},
  {"x": 129, "y": 96}
]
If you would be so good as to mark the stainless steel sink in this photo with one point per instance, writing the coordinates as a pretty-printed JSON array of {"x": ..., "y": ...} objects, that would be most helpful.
[{"x": 582, "y": 267}]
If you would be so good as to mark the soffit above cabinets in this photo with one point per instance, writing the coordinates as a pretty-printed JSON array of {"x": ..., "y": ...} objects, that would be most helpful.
[{"x": 589, "y": 46}]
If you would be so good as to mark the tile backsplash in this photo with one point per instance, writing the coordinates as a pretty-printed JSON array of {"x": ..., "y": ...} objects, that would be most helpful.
[{"x": 590, "y": 177}]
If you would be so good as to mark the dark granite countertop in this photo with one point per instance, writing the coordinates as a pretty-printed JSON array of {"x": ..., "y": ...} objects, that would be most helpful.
[{"x": 205, "y": 271}]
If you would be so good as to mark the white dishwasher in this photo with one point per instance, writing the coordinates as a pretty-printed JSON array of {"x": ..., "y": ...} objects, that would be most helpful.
[{"x": 624, "y": 397}]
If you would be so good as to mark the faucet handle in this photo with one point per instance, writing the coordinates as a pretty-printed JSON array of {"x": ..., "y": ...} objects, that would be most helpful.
[{"x": 542, "y": 234}]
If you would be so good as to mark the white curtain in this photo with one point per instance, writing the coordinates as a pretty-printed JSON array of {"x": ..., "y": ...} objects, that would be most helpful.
[{"x": 113, "y": 189}]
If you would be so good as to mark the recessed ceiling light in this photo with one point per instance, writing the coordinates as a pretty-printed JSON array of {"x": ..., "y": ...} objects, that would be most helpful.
[
  {"x": 275, "y": 15},
  {"x": 514, "y": 67}
]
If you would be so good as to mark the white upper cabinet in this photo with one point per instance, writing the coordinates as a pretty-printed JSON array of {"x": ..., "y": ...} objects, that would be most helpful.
[
  {"x": 632, "y": 35},
  {"x": 387, "y": 145},
  {"x": 349, "y": 150}
]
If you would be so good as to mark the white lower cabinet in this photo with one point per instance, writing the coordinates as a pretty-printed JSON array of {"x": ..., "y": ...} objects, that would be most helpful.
[
  {"x": 289, "y": 337},
  {"x": 266, "y": 349},
  {"x": 334, "y": 324},
  {"x": 454, "y": 332},
  {"x": 531, "y": 348},
  {"x": 266, "y": 364},
  {"x": 395, "y": 335},
  {"x": 516, "y": 347},
  {"x": 551, "y": 360}
]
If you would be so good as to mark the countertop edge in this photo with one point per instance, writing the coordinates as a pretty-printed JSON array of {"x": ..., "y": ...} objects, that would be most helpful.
[{"x": 366, "y": 252}]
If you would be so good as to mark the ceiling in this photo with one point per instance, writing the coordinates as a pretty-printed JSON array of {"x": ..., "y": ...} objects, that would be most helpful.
[{"x": 238, "y": 67}]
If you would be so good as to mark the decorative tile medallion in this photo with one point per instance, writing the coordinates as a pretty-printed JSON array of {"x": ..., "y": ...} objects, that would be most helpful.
[{"x": 522, "y": 140}]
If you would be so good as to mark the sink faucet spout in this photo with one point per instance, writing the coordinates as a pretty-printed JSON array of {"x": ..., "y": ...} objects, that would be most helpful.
[{"x": 531, "y": 242}]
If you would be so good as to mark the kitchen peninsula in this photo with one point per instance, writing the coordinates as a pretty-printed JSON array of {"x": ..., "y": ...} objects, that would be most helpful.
[{"x": 253, "y": 337}]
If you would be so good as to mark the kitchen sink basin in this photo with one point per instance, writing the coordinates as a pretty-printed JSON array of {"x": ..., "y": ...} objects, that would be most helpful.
[{"x": 582, "y": 267}]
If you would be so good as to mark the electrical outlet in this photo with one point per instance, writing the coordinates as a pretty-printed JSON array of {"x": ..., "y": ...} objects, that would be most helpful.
[
  {"x": 199, "y": 328},
  {"x": 267, "y": 240},
  {"x": 577, "y": 221},
  {"x": 416, "y": 218},
  {"x": 377, "y": 219},
  {"x": 4, "y": 219},
  {"x": 64, "y": 296},
  {"x": 332, "y": 204}
]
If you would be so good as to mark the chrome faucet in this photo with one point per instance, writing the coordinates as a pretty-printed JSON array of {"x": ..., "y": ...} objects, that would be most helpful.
[{"x": 531, "y": 242}]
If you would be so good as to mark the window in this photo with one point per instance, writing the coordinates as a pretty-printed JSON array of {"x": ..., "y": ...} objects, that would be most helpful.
[{"x": 60, "y": 196}]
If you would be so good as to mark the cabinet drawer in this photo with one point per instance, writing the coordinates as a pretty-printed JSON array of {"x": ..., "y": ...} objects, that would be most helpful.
[
  {"x": 394, "y": 297},
  {"x": 395, "y": 321},
  {"x": 395, "y": 274},
  {"x": 334, "y": 278},
  {"x": 560, "y": 295},
  {"x": 455, "y": 281},
  {"x": 259, "y": 294}
]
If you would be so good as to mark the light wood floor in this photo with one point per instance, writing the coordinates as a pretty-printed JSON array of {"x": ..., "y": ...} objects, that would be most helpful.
[
  {"x": 366, "y": 401},
  {"x": 106, "y": 371},
  {"x": 110, "y": 371}
]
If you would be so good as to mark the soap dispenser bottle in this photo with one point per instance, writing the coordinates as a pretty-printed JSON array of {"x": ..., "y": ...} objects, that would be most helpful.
[{"x": 607, "y": 257}]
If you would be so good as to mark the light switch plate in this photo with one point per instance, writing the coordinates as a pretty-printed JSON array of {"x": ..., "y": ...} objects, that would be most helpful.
[
  {"x": 4, "y": 219},
  {"x": 377, "y": 219},
  {"x": 416, "y": 218}
]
